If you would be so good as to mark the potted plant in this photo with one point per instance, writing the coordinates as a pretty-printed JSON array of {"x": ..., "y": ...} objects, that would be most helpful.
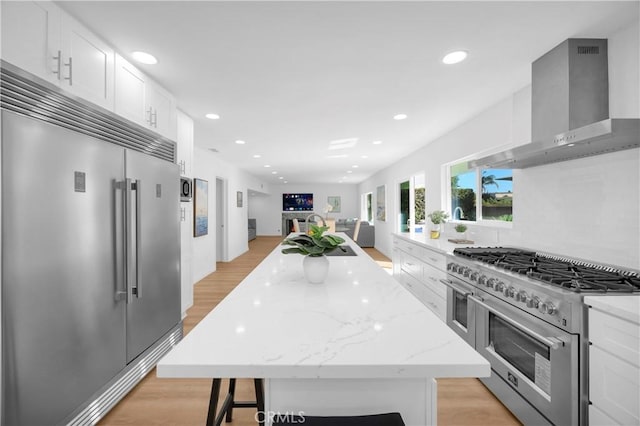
[
  {"x": 313, "y": 247},
  {"x": 437, "y": 217},
  {"x": 461, "y": 229}
]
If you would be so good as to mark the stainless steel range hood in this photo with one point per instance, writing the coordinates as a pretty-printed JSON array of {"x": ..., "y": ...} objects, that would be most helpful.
[{"x": 570, "y": 110}]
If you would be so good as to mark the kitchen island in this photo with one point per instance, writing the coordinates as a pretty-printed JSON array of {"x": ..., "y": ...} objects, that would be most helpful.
[{"x": 357, "y": 344}]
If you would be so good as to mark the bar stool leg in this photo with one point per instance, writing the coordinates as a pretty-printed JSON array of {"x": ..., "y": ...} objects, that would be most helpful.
[
  {"x": 213, "y": 401},
  {"x": 232, "y": 392},
  {"x": 259, "y": 385}
]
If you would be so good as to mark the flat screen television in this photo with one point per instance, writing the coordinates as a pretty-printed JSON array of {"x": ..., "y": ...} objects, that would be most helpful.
[{"x": 297, "y": 202}]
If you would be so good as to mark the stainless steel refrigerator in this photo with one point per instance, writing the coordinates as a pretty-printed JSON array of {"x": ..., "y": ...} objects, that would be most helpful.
[{"x": 90, "y": 265}]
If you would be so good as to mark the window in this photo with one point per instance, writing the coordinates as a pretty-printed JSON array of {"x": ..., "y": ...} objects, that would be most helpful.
[{"x": 481, "y": 194}]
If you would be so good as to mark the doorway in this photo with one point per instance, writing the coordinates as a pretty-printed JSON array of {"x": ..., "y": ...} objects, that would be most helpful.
[
  {"x": 411, "y": 204},
  {"x": 221, "y": 220}
]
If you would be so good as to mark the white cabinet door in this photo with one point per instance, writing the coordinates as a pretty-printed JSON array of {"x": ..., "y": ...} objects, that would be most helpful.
[
  {"x": 130, "y": 92},
  {"x": 88, "y": 64},
  {"x": 184, "y": 137},
  {"x": 162, "y": 108},
  {"x": 31, "y": 37}
]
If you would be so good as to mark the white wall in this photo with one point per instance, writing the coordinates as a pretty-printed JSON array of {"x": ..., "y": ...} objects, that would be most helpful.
[
  {"x": 209, "y": 167},
  {"x": 267, "y": 208},
  {"x": 587, "y": 208}
]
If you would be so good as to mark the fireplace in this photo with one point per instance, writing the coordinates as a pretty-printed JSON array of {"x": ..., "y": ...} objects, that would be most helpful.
[{"x": 287, "y": 221}]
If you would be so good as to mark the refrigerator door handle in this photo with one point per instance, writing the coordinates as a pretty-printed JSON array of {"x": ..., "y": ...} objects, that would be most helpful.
[
  {"x": 138, "y": 188},
  {"x": 128, "y": 250}
]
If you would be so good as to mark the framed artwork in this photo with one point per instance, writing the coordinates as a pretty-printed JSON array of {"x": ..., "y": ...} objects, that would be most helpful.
[
  {"x": 200, "y": 208},
  {"x": 239, "y": 198},
  {"x": 334, "y": 202},
  {"x": 381, "y": 207}
]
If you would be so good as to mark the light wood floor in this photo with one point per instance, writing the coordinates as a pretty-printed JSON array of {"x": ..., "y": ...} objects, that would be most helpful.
[{"x": 179, "y": 402}]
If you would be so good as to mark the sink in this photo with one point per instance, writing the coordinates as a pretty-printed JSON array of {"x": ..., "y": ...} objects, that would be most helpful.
[{"x": 348, "y": 251}]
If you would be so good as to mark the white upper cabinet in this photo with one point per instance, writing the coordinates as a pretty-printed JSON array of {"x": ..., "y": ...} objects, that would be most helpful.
[
  {"x": 87, "y": 67},
  {"x": 40, "y": 38},
  {"x": 31, "y": 37},
  {"x": 160, "y": 106},
  {"x": 130, "y": 92},
  {"x": 143, "y": 101}
]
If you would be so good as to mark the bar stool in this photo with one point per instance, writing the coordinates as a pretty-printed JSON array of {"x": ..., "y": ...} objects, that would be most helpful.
[
  {"x": 230, "y": 403},
  {"x": 385, "y": 419}
]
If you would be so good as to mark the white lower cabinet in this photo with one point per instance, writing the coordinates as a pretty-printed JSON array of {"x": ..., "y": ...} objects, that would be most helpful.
[
  {"x": 419, "y": 269},
  {"x": 614, "y": 369}
]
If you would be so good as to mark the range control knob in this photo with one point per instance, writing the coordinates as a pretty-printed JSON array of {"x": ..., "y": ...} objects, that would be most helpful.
[
  {"x": 450, "y": 266},
  {"x": 474, "y": 276},
  {"x": 547, "y": 308},
  {"x": 522, "y": 296},
  {"x": 466, "y": 271},
  {"x": 510, "y": 291},
  {"x": 499, "y": 286},
  {"x": 534, "y": 302},
  {"x": 482, "y": 279},
  {"x": 491, "y": 282}
]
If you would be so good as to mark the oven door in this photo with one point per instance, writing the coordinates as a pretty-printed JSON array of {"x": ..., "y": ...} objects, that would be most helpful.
[
  {"x": 460, "y": 309},
  {"x": 536, "y": 359}
]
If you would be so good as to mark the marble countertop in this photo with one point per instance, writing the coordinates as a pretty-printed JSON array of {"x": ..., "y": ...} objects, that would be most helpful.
[
  {"x": 360, "y": 323},
  {"x": 439, "y": 244},
  {"x": 626, "y": 307}
]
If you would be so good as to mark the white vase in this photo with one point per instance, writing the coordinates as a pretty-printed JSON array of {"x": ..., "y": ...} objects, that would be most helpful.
[{"x": 316, "y": 268}]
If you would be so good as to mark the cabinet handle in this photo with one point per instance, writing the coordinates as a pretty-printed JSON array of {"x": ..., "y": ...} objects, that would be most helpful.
[
  {"x": 58, "y": 60},
  {"x": 148, "y": 114},
  {"x": 70, "y": 65},
  {"x": 154, "y": 121}
]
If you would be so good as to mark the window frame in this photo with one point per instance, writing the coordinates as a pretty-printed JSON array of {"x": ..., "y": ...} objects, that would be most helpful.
[{"x": 447, "y": 198}]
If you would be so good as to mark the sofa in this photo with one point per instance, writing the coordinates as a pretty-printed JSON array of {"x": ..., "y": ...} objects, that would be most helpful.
[
  {"x": 366, "y": 236},
  {"x": 252, "y": 229}
]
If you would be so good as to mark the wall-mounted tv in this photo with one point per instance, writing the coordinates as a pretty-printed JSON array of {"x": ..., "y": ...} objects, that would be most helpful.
[{"x": 297, "y": 202}]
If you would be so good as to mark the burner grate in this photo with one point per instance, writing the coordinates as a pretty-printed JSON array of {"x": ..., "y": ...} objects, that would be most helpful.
[{"x": 571, "y": 275}]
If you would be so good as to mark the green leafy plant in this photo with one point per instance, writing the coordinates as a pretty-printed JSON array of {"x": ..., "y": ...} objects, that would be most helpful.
[
  {"x": 313, "y": 244},
  {"x": 438, "y": 216},
  {"x": 461, "y": 228}
]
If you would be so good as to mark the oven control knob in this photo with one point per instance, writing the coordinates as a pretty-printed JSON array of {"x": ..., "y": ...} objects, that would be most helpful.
[
  {"x": 510, "y": 291},
  {"x": 466, "y": 271},
  {"x": 491, "y": 282},
  {"x": 499, "y": 286},
  {"x": 474, "y": 276},
  {"x": 534, "y": 302},
  {"x": 547, "y": 308},
  {"x": 482, "y": 279},
  {"x": 522, "y": 296}
]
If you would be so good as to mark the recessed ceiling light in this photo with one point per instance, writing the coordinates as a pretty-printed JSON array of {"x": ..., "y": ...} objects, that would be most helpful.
[
  {"x": 400, "y": 116},
  {"x": 376, "y": 142},
  {"x": 239, "y": 142},
  {"x": 349, "y": 171},
  {"x": 280, "y": 177},
  {"x": 267, "y": 166},
  {"x": 212, "y": 116},
  {"x": 355, "y": 166},
  {"x": 364, "y": 156},
  {"x": 144, "y": 58},
  {"x": 257, "y": 155},
  {"x": 274, "y": 172},
  {"x": 454, "y": 57},
  {"x": 285, "y": 181}
]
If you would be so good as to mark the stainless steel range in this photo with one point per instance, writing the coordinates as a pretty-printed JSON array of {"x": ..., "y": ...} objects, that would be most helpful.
[{"x": 524, "y": 312}]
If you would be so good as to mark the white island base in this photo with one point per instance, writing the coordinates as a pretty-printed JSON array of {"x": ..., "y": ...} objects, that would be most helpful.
[{"x": 414, "y": 399}]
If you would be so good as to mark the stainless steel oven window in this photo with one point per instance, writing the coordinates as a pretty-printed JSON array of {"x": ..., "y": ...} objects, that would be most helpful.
[
  {"x": 460, "y": 309},
  {"x": 525, "y": 353}
]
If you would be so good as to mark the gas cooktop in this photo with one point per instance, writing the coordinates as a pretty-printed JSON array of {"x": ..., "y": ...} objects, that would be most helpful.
[{"x": 570, "y": 275}]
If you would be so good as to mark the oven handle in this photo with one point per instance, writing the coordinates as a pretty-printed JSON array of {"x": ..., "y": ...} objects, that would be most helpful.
[
  {"x": 552, "y": 342},
  {"x": 449, "y": 284}
]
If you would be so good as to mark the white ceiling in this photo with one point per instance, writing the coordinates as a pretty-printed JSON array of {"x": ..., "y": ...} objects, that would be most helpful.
[{"x": 289, "y": 77}]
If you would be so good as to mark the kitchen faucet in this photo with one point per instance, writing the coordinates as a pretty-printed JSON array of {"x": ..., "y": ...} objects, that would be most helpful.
[
  {"x": 315, "y": 214},
  {"x": 453, "y": 215}
]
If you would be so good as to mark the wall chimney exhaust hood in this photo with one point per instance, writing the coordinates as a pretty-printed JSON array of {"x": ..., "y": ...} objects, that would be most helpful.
[{"x": 570, "y": 110}]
